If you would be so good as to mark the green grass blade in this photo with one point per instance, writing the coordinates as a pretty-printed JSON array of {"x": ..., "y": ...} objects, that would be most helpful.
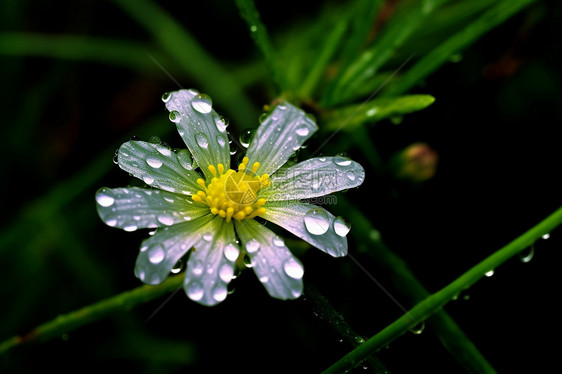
[
  {"x": 434, "y": 302},
  {"x": 192, "y": 58},
  {"x": 441, "y": 54},
  {"x": 350, "y": 117},
  {"x": 68, "y": 322},
  {"x": 400, "y": 28},
  {"x": 258, "y": 31},
  {"x": 123, "y": 53}
]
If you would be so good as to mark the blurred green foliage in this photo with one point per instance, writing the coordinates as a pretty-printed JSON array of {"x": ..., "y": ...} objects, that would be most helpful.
[{"x": 477, "y": 80}]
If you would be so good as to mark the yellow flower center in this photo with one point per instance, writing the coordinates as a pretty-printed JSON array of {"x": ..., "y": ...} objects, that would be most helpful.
[{"x": 233, "y": 194}]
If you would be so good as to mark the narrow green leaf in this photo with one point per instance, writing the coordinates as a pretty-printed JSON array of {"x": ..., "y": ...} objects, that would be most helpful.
[
  {"x": 442, "y": 53},
  {"x": 70, "y": 321},
  {"x": 436, "y": 301},
  {"x": 350, "y": 117},
  {"x": 259, "y": 33}
]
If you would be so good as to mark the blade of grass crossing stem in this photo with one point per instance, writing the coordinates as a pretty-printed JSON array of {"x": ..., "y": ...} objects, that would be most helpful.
[
  {"x": 434, "y": 302},
  {"x": 449, "y": 333},
  {"x": 250, "y": 14},
  {"x": 190, "y": 55},
  {"x": 441, "y": 54}
]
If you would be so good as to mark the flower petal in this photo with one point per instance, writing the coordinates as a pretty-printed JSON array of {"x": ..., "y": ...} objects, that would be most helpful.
[
  {"x": 159, "y": 167},
  {"x": 136, "y": 208},
  {"x": 159, "y": 253},
  {"x": 310, "y": 223},
  {"x": 314, "y": 177},
  {"x": 279, "y": 136},
  {"x": 202, "y": 129},
  {"x": 275, "y": 266},
  {"x": 211, "y": 264}
]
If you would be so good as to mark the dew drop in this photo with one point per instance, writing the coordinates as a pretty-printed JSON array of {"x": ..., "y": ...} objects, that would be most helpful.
[
  {"x": 155, "y": 140},
  {"x": 130, "y": 228},
  {"x": 341, "y": 226},
  {"x": 219, "y": 292},
  {"x": 231, "y": 252},
  {"x": 317, "y": 221},
  {"x": 278, "y": 242},
  {"x": 156, "y": 253},
  {"x": 246, "y": 137},
  {"x": 197, "y": 268},
  {"x": 154, "y": 162},
  {"x": 253, "y": 28},
  {"x": 489, "y": 273},
  {"x": 293, "y": 268},
  {"x": 202, "y": 140},
  {"x": 174, "y": 116},
  {"x": 226, "y": 273},
  {"x": 527, "y": 255},
  {"x": 166, "y": 220},
  {"x": 252, "y": 246},
  {"x": 546, "y": 236},
  {"x": 221, "y": 123},
  {"x": 166, "y": 97},
  {"x": 350, "y": 176},
  {"x": 302, "y": 130},
  {"x": 202, "y": 103},
  {"x": 111, "y": 222},
  {"x": 221, "y": 140},
  {"x": 164, "y": 150},
  {"x": 194, "y": 290},
  {"x": 418, "y": 329},
  {"x": 104, "y": 199},
  {"x": 178, "y": 267},
  {"x": 184, "y": 158},
  {"x": 207, "y": 236},
  {"x": 342, "y": 160},
  {"x": 248, "y": 261},
  {"x": 264, "y": 279},
  {"x": 263, "y": 117},
  {"x": 148, "y": 179}
]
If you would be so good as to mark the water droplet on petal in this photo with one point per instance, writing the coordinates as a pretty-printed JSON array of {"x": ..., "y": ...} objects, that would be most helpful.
[
  {"x": 147, "y": 179},
  {"x": 197, "y": 268},
  {"x": 342, "y": 160},
  {"x": 350, "y": 176},
  {"x": 202, "y": 103},
  {"x": 194, "y": 290},
  {"x": 111, "y": 222},
  {"x": 293, "y": 268},
  {"x": 264, "y": 279},
  {"x": 166, "y": 220},
  {"x": 252, "y": 246},
  {"x": 418, "y": 329},
  {"x": 263, "y": 117},
  {"x": 164, "y": 150},
  {"x": 155, "y": 140},
  {"x": 317, "y": 221},
  {"x": 246, "y": 137},
  {"x": 177, "y": 267},
  {"x": 226, "y": 272},
  {"x": 184, "y": 158},
  {"x": 104, "y": 199},
  {"x": 253, "y": 28},
  {"x": 221, "y": 123},
  {"x": 489, "y": 273},
  {"x": 202, "y": 140},
  {"x": 130, "y": 228},
  {"x": 221, "y": 140},
  {"x": 174, "y": 116},
  {"x": 302, "y": 130},
  {"x": 208, "y": 236},
  {"x": 154, "y": 162},
  {"x": 341, "y": 226},
  {"x": 156, "y": 253},
  {"x": 219, "y": 292},
  {"x": 166, "y": 96},
  {"x": 546, "y": 236},
  {"x": 278, "y": 242},
  {"x": 248, "y": 261},
  {"x": 231, "y": 252}
]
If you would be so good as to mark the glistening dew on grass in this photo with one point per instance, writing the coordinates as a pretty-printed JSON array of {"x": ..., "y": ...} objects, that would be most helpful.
[{"x": 210, "y": 212}]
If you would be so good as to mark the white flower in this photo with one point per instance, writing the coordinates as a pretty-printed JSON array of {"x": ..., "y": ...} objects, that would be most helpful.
[{"x": 211, "y": 215}]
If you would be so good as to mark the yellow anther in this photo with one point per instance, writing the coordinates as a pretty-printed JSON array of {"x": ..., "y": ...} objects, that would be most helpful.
[
  {"x": 233, "y": 194},
  {"x": 213, "y": 170},
  {"x": 255, "y": 167}
]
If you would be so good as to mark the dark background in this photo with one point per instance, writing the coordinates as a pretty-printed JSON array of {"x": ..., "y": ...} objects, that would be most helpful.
[{"x": 494, "y": 126}]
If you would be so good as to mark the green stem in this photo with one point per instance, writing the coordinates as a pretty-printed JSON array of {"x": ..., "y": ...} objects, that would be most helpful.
[
  {"x": 250, "y": 14},
  {"x": 67, "y": 322},
  {"x": 434, "y": 302}
]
